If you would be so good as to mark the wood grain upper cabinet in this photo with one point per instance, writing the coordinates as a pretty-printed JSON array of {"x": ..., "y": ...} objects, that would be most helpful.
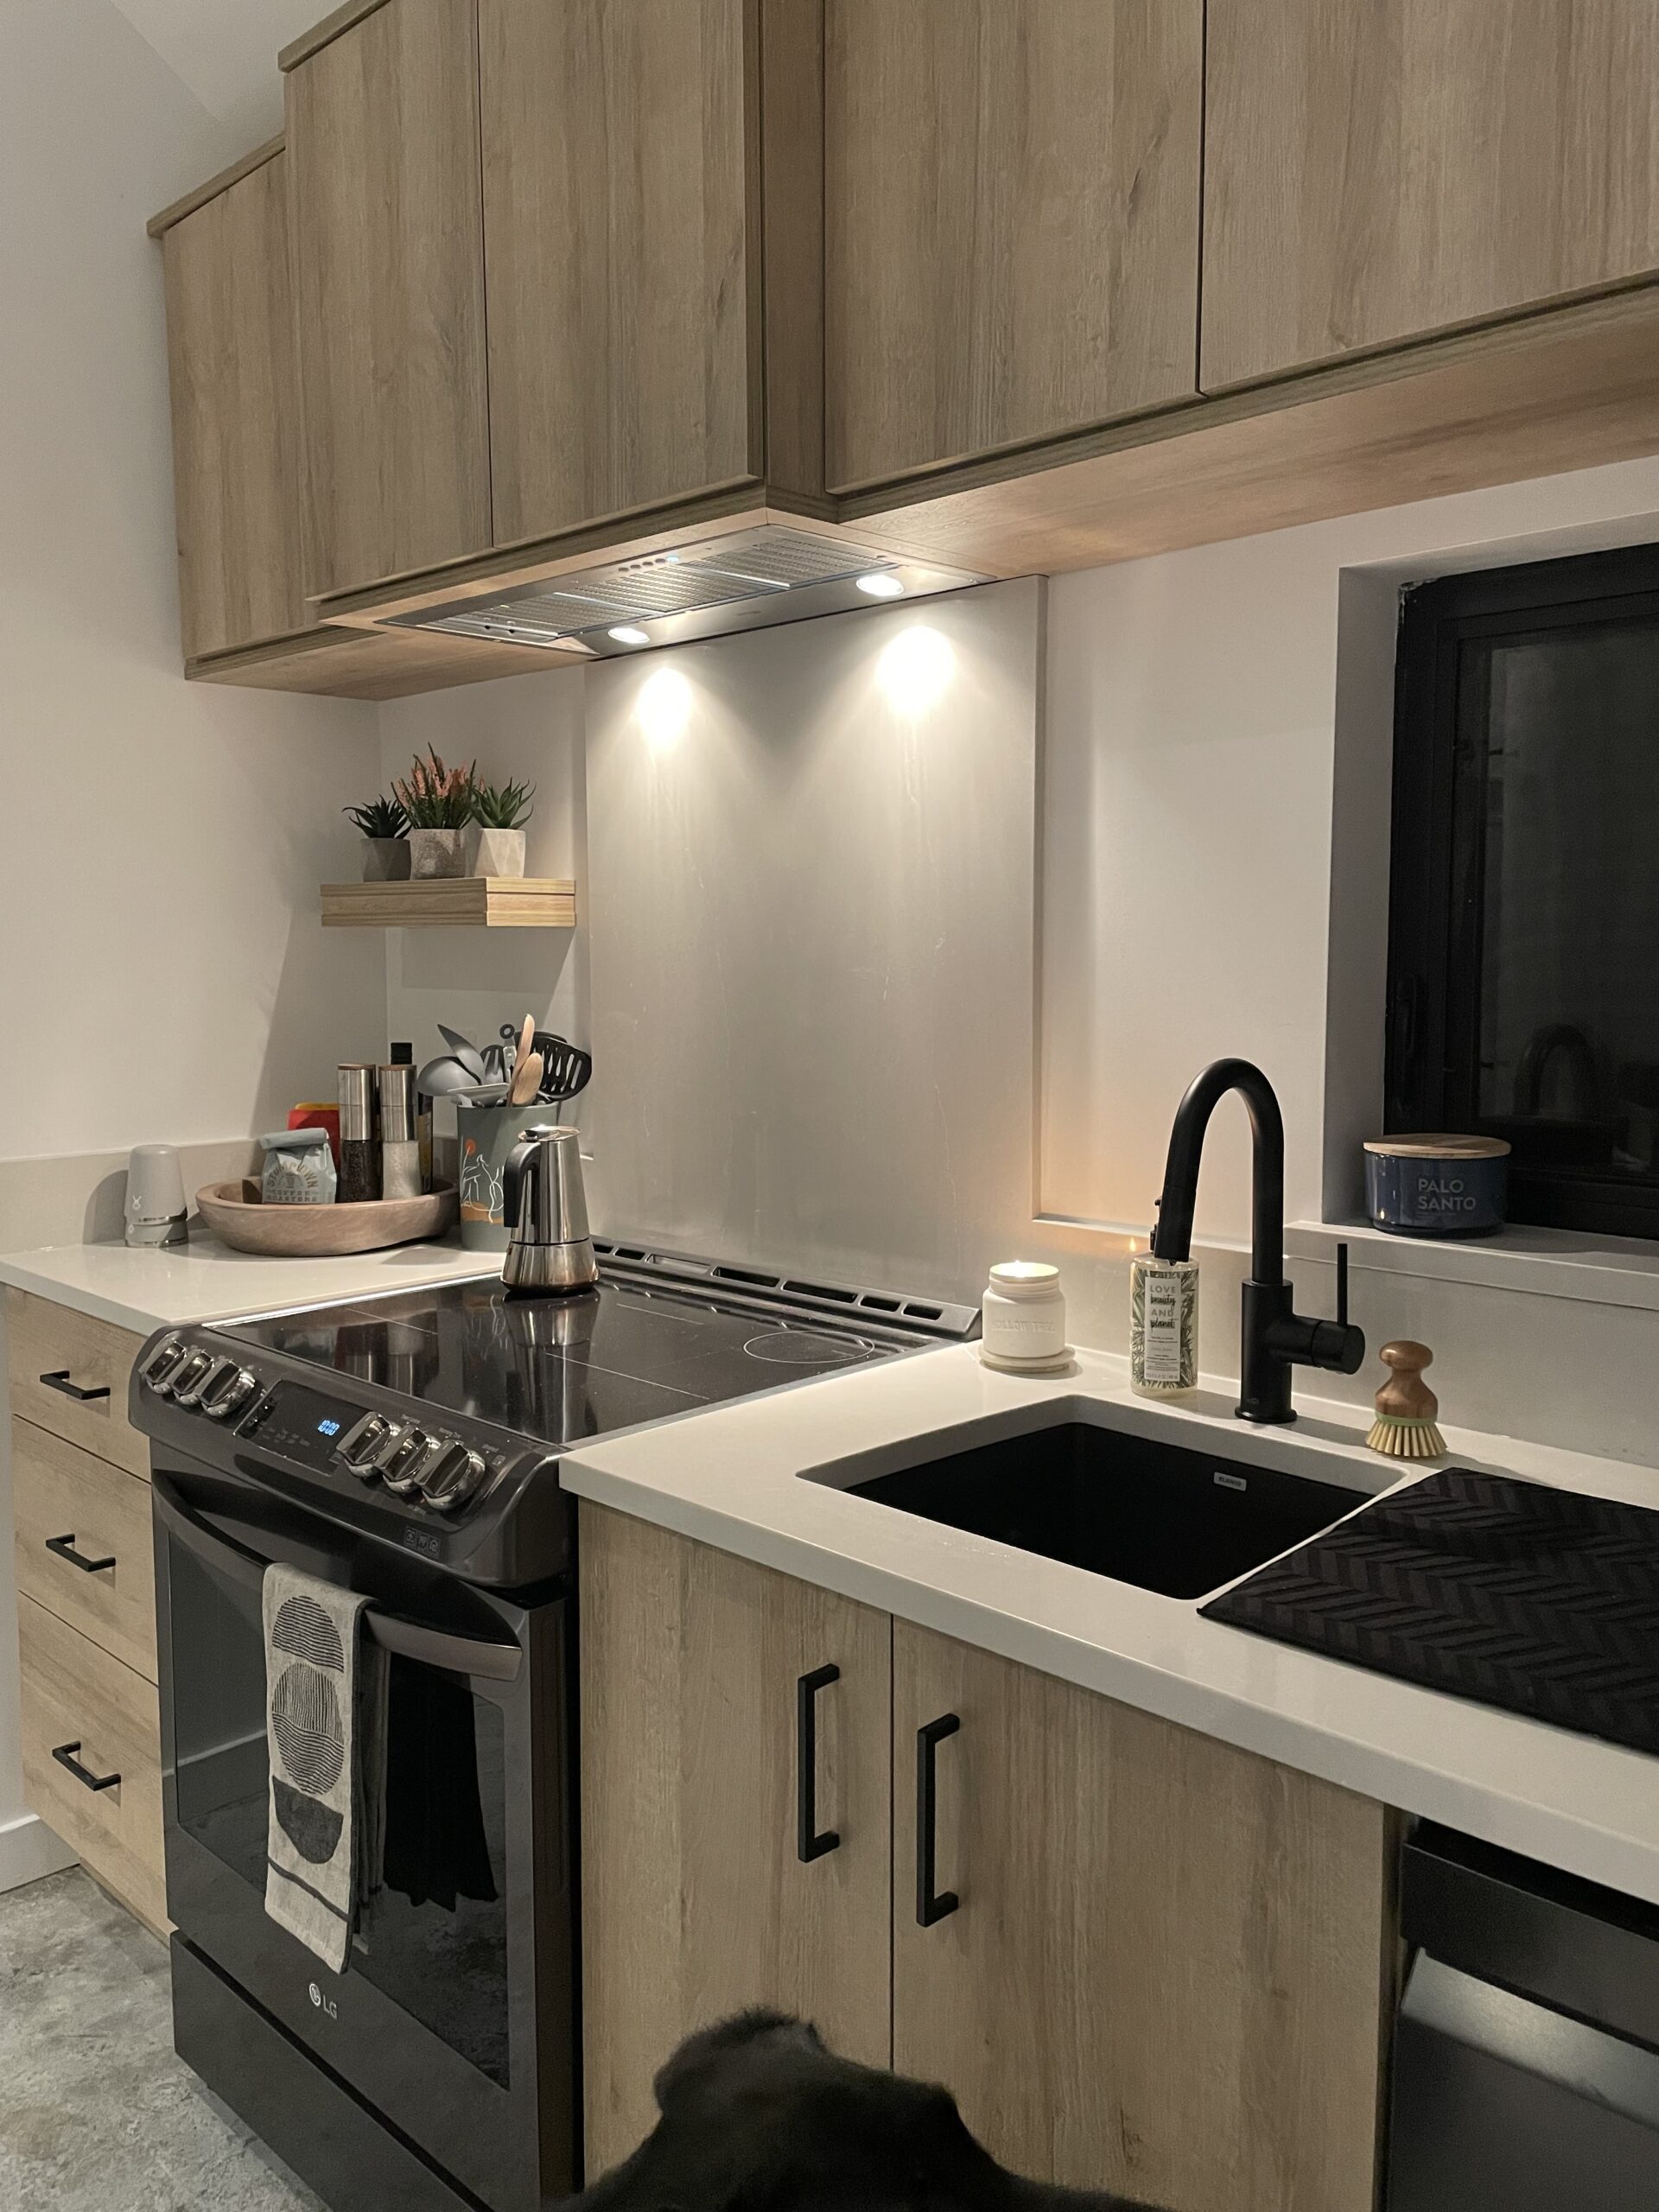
[
  {"x": 695, "y": 1900},
  {"x": 230, "y": 338},
  {"x": 1011, "y": 222},
  {"x": 1165, "y": 1972},
  {"x": 621, "y": 267},
  {"x": 386, "y": 206},
  {"x": 1376, "y": 173}
]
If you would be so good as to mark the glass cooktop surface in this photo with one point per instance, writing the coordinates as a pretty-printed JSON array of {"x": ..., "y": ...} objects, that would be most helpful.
[{"x": 564, "y": 1368}]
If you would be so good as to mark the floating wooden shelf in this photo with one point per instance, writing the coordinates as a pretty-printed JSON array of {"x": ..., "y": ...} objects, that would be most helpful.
[{"x": 474, "y": 902}]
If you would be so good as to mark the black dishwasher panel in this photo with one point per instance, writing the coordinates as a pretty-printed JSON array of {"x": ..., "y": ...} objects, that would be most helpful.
[{"x": 1525, "y": 2074}]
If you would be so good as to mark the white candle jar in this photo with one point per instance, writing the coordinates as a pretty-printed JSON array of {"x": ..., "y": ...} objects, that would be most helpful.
[{"x": 1024, "y": 1318}]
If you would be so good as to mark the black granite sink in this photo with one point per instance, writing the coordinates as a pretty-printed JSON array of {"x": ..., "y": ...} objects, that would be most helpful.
[{"x": 1160, "y": 1516}]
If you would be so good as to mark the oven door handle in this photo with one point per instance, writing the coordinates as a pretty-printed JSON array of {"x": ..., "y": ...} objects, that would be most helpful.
[{"x": 430, "y": 1647}]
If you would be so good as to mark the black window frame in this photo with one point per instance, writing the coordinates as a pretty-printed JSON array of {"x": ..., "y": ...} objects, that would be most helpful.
[{"x": 1436, "y": 895}]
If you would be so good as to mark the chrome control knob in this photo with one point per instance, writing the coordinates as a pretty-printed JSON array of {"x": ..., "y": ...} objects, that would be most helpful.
[
  {"x": 193, "y": 1375},
  {"x": 156, "y": 1368},
  {"x": 228, "y": 1393},
  {"x": 453, "y": 1478},
  {"x": 400, "y": 1468},
  {"x": 364, "y": 1441}
]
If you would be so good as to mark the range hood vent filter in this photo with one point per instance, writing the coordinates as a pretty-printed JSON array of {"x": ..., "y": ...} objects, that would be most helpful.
[{"x": 747, "y": 580}]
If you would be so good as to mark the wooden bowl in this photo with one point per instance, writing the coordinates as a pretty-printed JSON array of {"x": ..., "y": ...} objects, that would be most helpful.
[{"x": 235, "y": 1214}]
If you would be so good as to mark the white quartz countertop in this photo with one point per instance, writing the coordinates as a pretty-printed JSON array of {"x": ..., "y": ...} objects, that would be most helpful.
[
  {"x": 205, "y": 1280},
  {"x": 731, "y": 1477}
]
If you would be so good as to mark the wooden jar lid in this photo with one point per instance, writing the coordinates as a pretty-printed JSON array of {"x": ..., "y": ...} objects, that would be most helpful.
[{"x": 1435, "y": 1147}]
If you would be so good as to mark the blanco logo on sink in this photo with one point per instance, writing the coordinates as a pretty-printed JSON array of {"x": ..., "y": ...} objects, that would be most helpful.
[{"x": 1224, "y": 1481}]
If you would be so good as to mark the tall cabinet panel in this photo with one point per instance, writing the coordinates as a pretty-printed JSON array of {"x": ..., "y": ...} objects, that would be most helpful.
[
  {"x": 696, "y": 1901},
  {"x": 1373, "y": 174},
  {"x": 1011, "y": 218},
  {"x": 386, "y": 204},
  {"x": 622, "y": 272},
  {"x": 230, "y": 336},
  {"x": 1163, "y": 1972}
]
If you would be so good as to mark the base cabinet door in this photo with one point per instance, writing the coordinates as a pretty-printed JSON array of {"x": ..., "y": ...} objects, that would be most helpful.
[
  {"x": 1164, "y": 1973},
  {"x": 696, "y": 1901}
]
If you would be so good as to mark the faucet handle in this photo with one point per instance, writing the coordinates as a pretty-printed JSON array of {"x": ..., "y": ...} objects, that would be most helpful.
[{"x": 1342, "y": 1284}]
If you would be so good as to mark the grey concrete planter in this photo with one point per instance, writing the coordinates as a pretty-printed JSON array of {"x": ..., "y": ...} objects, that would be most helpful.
[
  {"x": 495, "y": 852},
  {"x": 437, "y": 852},
  {"x": 385, "y": 860}
]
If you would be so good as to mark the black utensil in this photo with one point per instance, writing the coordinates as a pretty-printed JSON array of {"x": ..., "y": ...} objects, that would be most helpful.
[{"x": 565, "y": 1069}]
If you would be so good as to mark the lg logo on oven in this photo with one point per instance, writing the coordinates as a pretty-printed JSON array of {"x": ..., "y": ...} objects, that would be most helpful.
[{"x": 324, "y": 2004}]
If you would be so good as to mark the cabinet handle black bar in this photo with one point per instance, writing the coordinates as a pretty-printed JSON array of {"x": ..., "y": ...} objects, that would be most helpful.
[
  {"x": 60, "y": 1382},
  {"x": 930, "y": 1905},
  {"x": 65, "y": 1755},
  {"x": 808, "y": 1842},
  {"x": 65, "y": 1549}
]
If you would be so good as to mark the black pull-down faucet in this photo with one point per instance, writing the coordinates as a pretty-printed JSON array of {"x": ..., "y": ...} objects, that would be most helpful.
[{"x": 1275, "y": 1337}]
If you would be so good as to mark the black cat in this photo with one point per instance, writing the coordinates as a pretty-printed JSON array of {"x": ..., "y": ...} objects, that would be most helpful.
[{"x": 757, "y": 2116}]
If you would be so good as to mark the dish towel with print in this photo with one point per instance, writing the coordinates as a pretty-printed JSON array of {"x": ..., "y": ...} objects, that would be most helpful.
[{"x": 324, "y": 1732}]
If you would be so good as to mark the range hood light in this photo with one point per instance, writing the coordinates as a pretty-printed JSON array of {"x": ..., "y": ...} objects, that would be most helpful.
[
  {"x": 880, "y": 585},
  {"x": 629, "y": 634}
]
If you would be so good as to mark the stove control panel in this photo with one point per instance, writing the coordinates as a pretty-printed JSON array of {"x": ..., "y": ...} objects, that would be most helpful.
[{"x": 424, "y": 1468}]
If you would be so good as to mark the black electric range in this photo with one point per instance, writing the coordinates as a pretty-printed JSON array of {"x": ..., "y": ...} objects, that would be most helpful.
[{"x": 407, "y": 1447}]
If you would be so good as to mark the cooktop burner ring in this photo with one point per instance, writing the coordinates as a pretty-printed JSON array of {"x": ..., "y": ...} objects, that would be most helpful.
[{"x": 808, "y": 1348}]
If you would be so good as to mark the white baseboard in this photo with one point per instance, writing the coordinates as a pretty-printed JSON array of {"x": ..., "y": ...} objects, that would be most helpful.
[{"x": 28, "y": 1850}]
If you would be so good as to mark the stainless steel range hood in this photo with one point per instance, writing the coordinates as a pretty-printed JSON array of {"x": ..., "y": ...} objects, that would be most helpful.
[{"x": 747, "y": 580}]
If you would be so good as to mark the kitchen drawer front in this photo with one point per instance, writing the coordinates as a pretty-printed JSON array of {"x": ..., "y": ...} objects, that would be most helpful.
[
  {"x": 74, "y": 1694},
  {"x": 103, "y": 1581},
  {"x": 82, "y": 1353}
]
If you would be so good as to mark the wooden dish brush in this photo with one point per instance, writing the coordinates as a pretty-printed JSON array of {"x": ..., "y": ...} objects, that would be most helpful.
[{"x": 1406, "y": 1406}]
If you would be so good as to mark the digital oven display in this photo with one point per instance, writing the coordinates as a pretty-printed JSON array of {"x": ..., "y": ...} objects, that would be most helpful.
[{"x": 303, "y": 1424}]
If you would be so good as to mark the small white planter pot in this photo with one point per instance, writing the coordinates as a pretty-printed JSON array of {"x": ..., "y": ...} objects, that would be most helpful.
[
  {"x": 495, "y": 852},
  {"x": 437, "y": 852},
  {"x": 385, "y": 860}
]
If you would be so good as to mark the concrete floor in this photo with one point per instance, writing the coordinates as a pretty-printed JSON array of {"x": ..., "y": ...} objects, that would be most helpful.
[{"x": 96, "y": 2112}]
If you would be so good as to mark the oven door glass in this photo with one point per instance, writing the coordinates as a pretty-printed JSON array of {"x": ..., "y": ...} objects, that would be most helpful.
[{"x": 434, "y": 1939}]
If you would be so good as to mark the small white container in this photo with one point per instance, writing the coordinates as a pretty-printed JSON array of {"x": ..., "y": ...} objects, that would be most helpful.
[{"x": 1024, "y": 1311}]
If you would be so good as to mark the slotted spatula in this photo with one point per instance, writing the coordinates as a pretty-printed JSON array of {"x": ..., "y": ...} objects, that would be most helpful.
[{"x": 565, "y": 1069}]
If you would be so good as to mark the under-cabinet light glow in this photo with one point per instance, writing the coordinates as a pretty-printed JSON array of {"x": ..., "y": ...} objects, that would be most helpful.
[
  {"x": 880, "y": 585},
  {"x": 915, "y": 667},
  {"x": 664, "y": 709},
  {"x": 629, "y": 634}
]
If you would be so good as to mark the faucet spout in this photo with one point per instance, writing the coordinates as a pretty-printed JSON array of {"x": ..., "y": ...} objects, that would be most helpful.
[
  {"x": 1172, "y": 1238},
  {"x": 1273, "y": 1337}
]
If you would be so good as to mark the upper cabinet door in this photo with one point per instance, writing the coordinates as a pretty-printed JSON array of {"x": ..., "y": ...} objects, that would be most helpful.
[
  {"x": 1011, "y": 222},
  {"x": 1373, "y": 173},
  {"x": 383, "y": 156},
  {"x": 623, "y": 272},
  {"x": 229, "y": 339}
]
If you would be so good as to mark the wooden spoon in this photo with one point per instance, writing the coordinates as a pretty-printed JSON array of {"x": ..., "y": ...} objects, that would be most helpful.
[
  {"x": 526, "y": 1080},
  {"x": 526, "y": 1041}
]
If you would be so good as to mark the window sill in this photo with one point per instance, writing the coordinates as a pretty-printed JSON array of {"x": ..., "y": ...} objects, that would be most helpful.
[{"x": 1552, "y": 1262}]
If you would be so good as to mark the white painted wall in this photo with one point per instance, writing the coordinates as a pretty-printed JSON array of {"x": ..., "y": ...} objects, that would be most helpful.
[{"x": 163, "y": 974}]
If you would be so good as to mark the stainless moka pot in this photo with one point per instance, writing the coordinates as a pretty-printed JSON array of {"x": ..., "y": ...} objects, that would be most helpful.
[{"x": 545, "y": 1209}]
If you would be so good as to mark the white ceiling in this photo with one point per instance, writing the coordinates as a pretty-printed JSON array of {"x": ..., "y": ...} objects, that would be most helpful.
[{"x": 226, "y": 52}]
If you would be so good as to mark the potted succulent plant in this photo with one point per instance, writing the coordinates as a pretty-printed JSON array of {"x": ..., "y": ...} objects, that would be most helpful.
[
  {"x": 439, "y": 804},
  {"x": 495, "y": 843},
  {"x": 385, "y": 847}
]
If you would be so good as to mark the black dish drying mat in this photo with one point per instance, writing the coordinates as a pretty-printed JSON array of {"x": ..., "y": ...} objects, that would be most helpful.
[{"x": 1539, "y": 1600}]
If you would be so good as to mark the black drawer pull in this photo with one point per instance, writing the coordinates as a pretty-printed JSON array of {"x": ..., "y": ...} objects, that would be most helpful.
[
  {"x": 60, "y": 1382},
  {"x": 65, "y": 1755},
  {"x": 808, "y": 1842},
  {"x": 931, "y": 1906},
  {"x": 65, "y": 1549}
]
